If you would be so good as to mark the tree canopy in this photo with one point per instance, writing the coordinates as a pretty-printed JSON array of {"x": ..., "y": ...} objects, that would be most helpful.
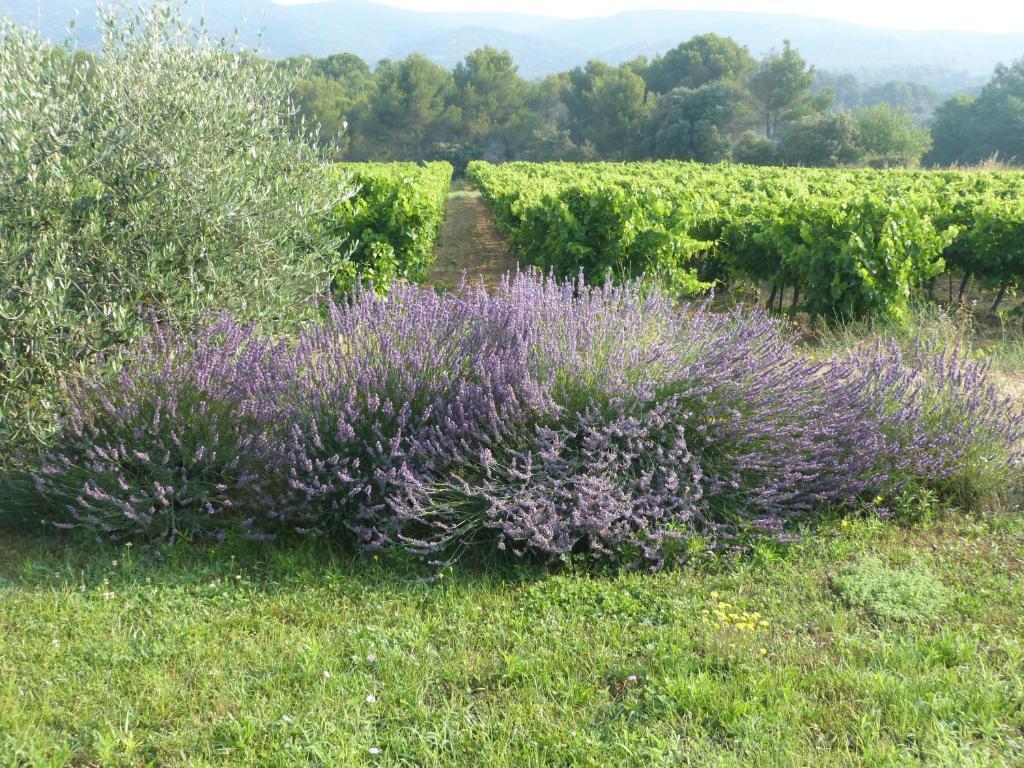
[
  {"x": 970, "y": 130},
  {"x": 706, "y": 99}
]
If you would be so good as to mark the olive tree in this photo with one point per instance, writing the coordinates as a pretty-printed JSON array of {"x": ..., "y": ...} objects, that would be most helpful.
[{"x": 158, "y": 175}]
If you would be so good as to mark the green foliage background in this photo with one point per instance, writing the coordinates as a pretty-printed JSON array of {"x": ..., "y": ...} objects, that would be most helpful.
[
  {"x": 854, "y": 243},
  {"x": 390, "y": 224}
]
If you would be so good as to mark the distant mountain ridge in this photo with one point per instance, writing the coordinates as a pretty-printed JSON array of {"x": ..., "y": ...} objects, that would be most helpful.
[{"x": 541, "y": 45}]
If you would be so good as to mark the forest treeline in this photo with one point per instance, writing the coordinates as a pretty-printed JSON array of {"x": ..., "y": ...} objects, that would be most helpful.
[{"x": 708, "y": 99}]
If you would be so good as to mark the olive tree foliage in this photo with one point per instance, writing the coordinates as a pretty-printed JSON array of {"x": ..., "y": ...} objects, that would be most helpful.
[{"x": 158, "y": 176}]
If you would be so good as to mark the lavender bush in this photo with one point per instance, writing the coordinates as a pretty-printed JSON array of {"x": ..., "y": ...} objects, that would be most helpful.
[
  {"x": 396, "y": 392},
  {"x": 944, "y": 420},
  {"x": 657, "y": 422},
  {"x": 546, "y": 419},
  {"x": 188, "y": 437}
]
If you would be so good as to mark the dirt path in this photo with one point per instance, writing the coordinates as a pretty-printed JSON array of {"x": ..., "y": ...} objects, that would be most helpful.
[{"x": 470, "y": 242}]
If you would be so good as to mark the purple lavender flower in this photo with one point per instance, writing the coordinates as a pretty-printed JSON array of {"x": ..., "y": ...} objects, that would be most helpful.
[
  {"x": 548, "y": 418},
  {"x": 187, "y": 434}
]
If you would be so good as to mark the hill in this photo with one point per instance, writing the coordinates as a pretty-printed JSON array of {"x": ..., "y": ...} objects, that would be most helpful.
[{"x": 542, "y": 45}]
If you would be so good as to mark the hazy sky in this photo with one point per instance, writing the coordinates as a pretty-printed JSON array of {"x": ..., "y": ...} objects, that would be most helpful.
[{"x": 977, "y": 15}]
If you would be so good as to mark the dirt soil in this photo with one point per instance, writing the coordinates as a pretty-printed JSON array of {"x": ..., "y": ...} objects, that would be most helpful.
[{"x": 470, "y": 244}]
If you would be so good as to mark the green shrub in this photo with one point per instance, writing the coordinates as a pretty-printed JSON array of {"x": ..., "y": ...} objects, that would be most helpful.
[
  {"x": 389, "y": 226},
  {"x": 158, "y": 175},
  {"x": 855, "y": 257},
  {"x": 628, "y": 222},
  {"x": 997, "y": 241},
  {"x": 913, "y": 594},
  {"x": 852, "y": 243}
]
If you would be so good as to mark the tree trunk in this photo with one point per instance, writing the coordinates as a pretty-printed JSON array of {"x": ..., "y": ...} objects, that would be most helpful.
[
  {"x": 931, "y": 287},
  {"x": 963, "y": 286},
  {"x": 771, "y": 299},
  {"x": 999, "y": 298},
  {"x": 796, "y": 297}
]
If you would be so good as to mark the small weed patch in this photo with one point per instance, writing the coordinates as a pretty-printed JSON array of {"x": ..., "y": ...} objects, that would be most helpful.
[{"x": 910, "y": 594}]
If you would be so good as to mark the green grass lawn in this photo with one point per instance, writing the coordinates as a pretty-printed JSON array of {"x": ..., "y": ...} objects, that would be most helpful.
[{"x": 870, "y": 643}]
